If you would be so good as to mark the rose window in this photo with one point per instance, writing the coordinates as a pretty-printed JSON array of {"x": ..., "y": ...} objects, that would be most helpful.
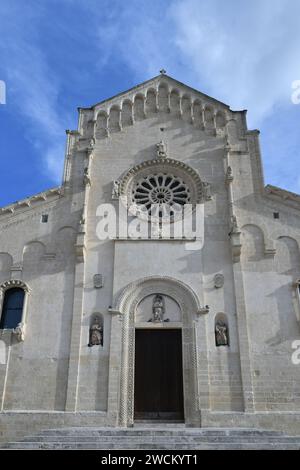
[
  {"x": 161, "y": 188},
  {"x": 168, "y": 191}
]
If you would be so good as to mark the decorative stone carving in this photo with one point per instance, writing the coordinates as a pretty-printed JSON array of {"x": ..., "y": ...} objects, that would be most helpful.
[
  {"x": 149, "y": 181},
  {"x": 19, "y": 332},
  {"x": 96, "y": 333},
  {"x": 90, "y": 147},
  {"x": 98, "y": 281},
  {"x": 229, "y": 175},
  {"x": 115, "y": 190},
  {"x": 204, "y": 310},
  {"x": 158, "y": 309},
  {"x": 207, "y": 191},
  {"x": 221, "y": 333},
  {"x": 126, "y": 304},
  {"x": 235, "y": 239},
  {"x": 14, "y": 283},
  {"x": 86, "y": 176},
  {"x": 219, "y": 280},
  {"x": 161, "y": 149},
  {"x": 233, "y": 225}
]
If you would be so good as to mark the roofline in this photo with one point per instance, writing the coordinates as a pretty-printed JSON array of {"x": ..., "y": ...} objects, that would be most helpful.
[
  {"x": 150, "y": 80},
  {"x": 284, "y": 194},
  {"x": 26, "y": 202}
]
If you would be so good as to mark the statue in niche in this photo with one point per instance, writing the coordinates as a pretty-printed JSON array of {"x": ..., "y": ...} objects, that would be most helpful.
[
  {"x": 161, "y": 149},
  {"x": 158, "y": 310},
  {"x": 221, "y": 332},
  {"x": 96, "y": 333}
]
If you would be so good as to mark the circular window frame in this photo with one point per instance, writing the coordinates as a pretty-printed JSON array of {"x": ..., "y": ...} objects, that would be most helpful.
[{"x": 161, "y": 167}]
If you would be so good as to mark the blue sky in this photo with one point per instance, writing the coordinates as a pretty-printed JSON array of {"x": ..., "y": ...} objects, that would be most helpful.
[{"x": 56, "y": 55}]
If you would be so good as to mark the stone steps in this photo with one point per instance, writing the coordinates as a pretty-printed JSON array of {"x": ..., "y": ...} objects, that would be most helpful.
[{"x": 156, "y": 438}]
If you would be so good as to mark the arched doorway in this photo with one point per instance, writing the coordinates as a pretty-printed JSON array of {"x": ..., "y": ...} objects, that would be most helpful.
[{"x": 123, "y": 342}]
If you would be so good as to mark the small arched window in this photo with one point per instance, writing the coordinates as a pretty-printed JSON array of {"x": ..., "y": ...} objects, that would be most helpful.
[{"x": 12, "y": 310}]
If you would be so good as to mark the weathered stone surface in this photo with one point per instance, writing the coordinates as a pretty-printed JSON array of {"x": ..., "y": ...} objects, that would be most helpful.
[{"x": 50, "y": 377}]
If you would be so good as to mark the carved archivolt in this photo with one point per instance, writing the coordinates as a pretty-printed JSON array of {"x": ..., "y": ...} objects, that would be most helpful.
[
  {"x": 14, "y": 283},
  {"x": 123, "y": 339},
  {"x": 137, "y": 290}
]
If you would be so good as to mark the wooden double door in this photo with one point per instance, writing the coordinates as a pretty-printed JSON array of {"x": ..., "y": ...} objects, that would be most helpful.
[{"x": 158, "y": 392}]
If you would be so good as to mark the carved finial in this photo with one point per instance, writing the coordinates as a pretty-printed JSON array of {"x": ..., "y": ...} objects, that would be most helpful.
[
  {"x": 115, "y": 189},
  {"x": 86, "y": 176},
  {"x": 162, "y": 72},
  {"x": 233, "y": 225},
  {"x": 161, "y": 149},
  {"x": 227, "y": 143},
  {"x": 229, "y": 175}
]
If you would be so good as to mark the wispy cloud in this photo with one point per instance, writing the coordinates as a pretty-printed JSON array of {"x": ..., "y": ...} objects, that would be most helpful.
[
  {"x": 33, "y": 88},
  {"x": 243, "y": 53},
  {"x": 247, "y": 54}
]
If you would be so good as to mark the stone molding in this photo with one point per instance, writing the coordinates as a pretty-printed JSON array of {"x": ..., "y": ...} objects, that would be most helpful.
[
  {"x": 123, "y": 345},
  {"x": 19, "y": 331}
]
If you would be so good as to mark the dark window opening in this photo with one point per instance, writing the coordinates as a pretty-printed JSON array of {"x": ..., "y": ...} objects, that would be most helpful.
[
  {"x": 12, "y": 308},
  {"x": 276, "y": 215},
  {"x": 44, "y": 219}
]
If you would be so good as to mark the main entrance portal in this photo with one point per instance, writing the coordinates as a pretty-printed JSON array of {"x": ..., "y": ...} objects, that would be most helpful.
[{"x": 158, "y": 384}]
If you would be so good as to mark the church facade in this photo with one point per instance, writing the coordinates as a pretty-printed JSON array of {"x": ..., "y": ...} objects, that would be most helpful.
[{"x": 112, "y": 313}]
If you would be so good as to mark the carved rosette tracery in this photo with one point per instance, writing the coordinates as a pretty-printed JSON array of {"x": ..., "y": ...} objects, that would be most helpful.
[{"x": 164, "y": 181}]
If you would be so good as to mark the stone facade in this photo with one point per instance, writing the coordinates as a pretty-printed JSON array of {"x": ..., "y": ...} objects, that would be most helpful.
[{"x": 246, "y": 270}]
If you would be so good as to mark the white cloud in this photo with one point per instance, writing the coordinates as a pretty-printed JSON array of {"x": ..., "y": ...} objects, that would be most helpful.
[
  {"x": 33, "y": 89},
  {"x": 245, "y": 54}
]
